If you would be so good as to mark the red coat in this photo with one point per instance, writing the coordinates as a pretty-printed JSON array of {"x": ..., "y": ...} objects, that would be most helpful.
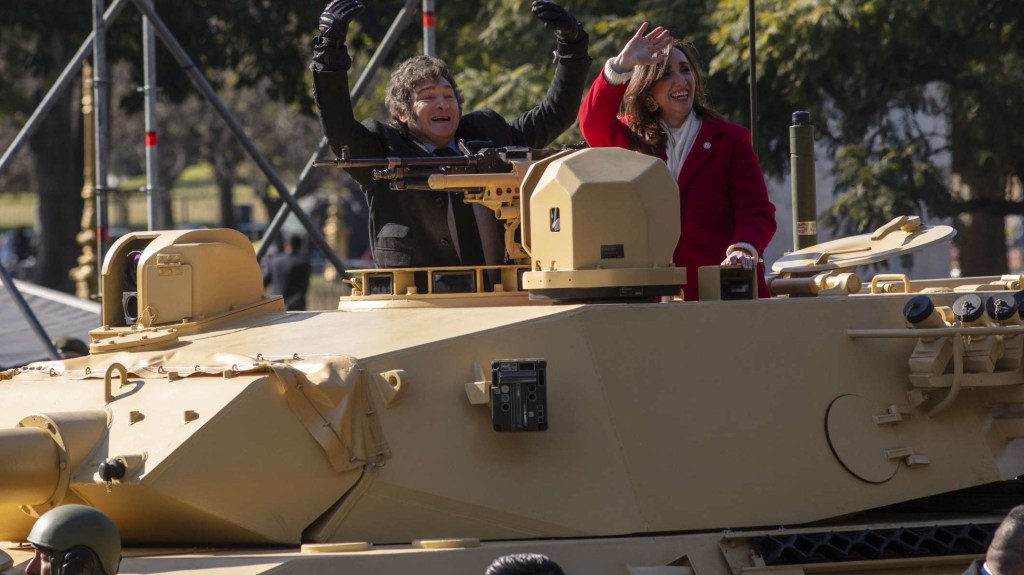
[{"x": 723, "y": 199}]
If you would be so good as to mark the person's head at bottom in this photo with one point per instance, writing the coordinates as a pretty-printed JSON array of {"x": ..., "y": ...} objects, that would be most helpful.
[
  {"x": 74, "y": 540},
  {"x": 524, "y": 564},
  {"x": 1005, "y": 555}
]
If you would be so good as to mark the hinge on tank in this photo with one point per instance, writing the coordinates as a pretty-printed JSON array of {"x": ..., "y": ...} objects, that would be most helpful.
[
  {"x": 894, "y": 414},
  {"x": 479, "y": 390}
]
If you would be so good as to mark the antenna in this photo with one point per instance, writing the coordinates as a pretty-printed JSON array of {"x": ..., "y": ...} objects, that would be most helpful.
[{"x": 753, "y": 78}]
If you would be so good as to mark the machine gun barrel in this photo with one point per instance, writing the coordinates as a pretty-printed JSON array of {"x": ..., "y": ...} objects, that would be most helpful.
[
  {"x": 393, "y": 162},
  {"x": 482, "y": 160},
  {"x": 488, "y": 176},
  {"x": 469, "y": 181}
]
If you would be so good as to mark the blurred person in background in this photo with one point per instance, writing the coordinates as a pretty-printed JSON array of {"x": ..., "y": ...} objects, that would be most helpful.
[{"x": 288, "y": 273}]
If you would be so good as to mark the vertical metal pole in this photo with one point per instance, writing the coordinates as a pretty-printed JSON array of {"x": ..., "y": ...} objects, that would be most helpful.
[
  {"x": 100, "y": 88},
  {"x": 149, "y": 89},
  {"x": 753, "y": 77},
  {"x": 805, "y": 190},
  {"x": 429, "y": 33}
]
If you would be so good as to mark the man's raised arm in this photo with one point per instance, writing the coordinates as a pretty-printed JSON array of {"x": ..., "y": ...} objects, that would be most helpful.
[
  {"x": 557, "y": 111},
  {"x": 331, "y": 63}
]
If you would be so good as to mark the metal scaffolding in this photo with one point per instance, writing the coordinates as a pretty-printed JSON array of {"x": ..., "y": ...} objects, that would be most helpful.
[{"x": 154, "y": 27}]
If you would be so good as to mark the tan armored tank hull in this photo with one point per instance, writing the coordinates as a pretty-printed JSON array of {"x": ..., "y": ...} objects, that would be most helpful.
[
  {"x": 663, "y": 417},
  {"x": 396, "y": 433}
]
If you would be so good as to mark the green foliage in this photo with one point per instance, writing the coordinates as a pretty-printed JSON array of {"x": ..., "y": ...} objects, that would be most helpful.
[
  {"x": 502, "y": 54},
  {"x": 892, "y": 179},
  {"x": 261, "y": 40},
  {"x": 869, "y": 72}
]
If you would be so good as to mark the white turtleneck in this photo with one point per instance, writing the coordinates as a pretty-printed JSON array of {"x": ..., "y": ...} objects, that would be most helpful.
[{"x": 679, "y": 141}]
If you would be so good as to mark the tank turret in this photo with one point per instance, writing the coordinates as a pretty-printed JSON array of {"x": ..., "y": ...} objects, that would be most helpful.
[{"x": 605, "y": 223}]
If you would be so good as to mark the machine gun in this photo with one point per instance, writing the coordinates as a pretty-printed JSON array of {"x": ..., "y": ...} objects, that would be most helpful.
[{"x": 489, "y": 176}]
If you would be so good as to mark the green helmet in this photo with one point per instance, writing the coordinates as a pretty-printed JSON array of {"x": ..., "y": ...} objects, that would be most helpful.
[
  {"x": 68, "y": 526},
  {"x": 71, "y": 345}
]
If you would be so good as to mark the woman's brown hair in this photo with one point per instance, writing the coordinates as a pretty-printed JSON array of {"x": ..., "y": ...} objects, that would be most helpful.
[{"x": 645, "y": 130}]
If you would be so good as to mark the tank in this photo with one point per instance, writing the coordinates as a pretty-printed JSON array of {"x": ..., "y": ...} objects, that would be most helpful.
[{"x": 570, "y": 404}]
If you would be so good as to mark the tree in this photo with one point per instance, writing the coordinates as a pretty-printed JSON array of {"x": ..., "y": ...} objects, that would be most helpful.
[
  {"x": 28, "y": 57},
  {"x": 872, "y": 73},
  {"x": 258, "y": 41},
  {"x": 505, "y": 63},
  {"x": 269, "y": 42}
]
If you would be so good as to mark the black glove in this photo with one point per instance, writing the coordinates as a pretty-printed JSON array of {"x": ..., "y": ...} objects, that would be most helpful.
[
  {"x": 567, "y": 28},
  {"x": 335, "y": 18}
]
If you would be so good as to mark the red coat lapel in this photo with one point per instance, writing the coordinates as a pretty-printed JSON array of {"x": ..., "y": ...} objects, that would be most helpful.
[{"x": 703, "y": 149}]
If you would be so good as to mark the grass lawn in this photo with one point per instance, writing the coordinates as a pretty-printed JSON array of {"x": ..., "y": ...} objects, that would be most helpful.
[{"x": 194, "y": 202}]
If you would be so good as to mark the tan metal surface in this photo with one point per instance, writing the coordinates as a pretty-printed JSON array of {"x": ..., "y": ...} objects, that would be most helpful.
[
  {"x": 603, "y": 217},
  {"x": 705, "y": 554},
  {"x": 371, "y": 425},
  {"x": 31, "y": 468},
  {"x": 632, "y": 386},
  {"x": 858, "y": 442},
  {"x": 613, "y": 198},
  {"x": 902, "y": 235}
]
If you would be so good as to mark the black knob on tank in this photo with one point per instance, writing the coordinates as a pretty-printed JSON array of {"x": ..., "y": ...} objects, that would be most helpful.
[
  {"x": 1001, "y": 308},
  {"x": 918, "y": 309},
  {"x": 968, "y": 308},
  {"x": 112, "y": 469},
  {"x": 1018, "y": 298}
]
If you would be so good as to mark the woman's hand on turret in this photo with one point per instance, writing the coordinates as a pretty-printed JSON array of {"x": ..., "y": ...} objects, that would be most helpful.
[
  {"x": 643, "y": 49},
  {"x": 740, "y": 257}
]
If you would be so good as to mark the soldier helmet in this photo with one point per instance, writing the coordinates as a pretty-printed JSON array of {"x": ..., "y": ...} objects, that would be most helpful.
[
  {"x": 69, "y": 347},
  {"x": 69, "y": 526}
]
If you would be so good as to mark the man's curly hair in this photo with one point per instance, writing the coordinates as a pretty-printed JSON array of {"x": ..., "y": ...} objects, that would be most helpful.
[{"x": 402, "y": 86}]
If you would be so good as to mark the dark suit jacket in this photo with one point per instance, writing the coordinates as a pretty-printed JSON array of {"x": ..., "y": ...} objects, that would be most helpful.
[
  {"x": 975, "y": 567},
  {"x": 288, "y": 275},
  {"x": 410, "y": 228}
]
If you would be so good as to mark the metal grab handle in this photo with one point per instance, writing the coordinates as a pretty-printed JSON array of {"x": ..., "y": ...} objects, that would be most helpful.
[
  {"x": 121, "y": 371},
  {"x": 890, "y": 277},
  {"x": 958, "y": 375}
]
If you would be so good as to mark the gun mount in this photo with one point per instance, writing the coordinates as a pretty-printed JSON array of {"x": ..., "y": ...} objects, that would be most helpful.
[
  {"x": 605, "y": 223},
  {"x": 490, "y": 177},
  {"x": 431, "y": 432}
]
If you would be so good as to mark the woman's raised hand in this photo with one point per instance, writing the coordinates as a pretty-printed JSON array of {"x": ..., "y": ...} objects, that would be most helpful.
[{"x": 643, "y": 49}]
